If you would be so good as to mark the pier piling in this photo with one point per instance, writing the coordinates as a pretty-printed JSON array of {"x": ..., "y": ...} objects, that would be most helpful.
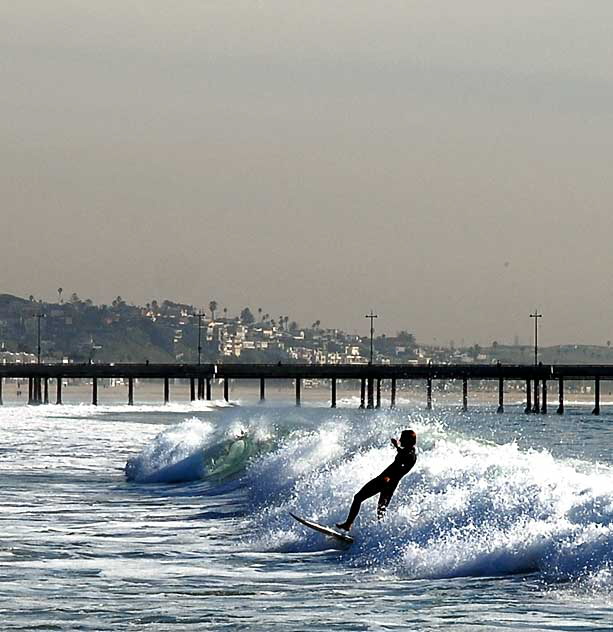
[
  {"x": 208, "y": 389},
  {"x": 528, "y": 408},
  {"x": 544, "y": 402},
  {"x": 362, "y": 392},
  {"x": 192, "y": 389},
  {"x": 464, "y": 394},
  {"x": 58, "y": 391},
  {"x": 1, "y": 381},
  {"x": 130, "y": 391},
  {"x": 333, "y": 393},
  {"x": 262, "y": 390},
  {"x": 536, "y": 407},
  {"x": 500, "y": 408},
  {"x": 371, "y": 397},
  {"x": 226, "y": 389},
  {"x": 378, "y": 401},
  {"x": 166, "y": 390},
  {"x": 298, "y": 390},
  {"x": 33, "y": 389},
  {"x": 95, "y": 391},
  {"x": 596, "y": 410},
  {"x": 560, "y": 410},
  {"x": 429, "y": 393},
  {"x": 393, "y": 394}
]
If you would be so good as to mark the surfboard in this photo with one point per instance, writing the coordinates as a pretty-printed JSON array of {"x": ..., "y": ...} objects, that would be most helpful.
[{"x": 332, "y": 533}]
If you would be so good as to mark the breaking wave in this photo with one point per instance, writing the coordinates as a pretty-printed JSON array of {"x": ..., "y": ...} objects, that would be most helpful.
[{"x": 470, "y": 507}]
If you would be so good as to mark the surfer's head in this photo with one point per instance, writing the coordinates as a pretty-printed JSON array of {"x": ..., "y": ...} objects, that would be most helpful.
[{"x": 408, "y": 438}]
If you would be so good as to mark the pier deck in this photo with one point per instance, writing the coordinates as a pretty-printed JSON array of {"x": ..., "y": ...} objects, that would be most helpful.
[{"x": 536, "y": 378}]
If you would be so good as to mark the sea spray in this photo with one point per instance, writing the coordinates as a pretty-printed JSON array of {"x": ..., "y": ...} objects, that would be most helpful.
[
  {"x": 175, "y": 455},
  {"x": 469, "y": 508}
]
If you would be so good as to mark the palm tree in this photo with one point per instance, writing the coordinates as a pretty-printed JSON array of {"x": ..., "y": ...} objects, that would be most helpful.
[
  {"x": 213, "y": 309},
  {"x": 59, "y": 294}
]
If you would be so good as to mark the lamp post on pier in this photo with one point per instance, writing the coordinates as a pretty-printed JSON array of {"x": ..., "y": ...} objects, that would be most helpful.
[
  {"x": 372, "y": 317},
  {"x": 536, "y": 316},
  {"x": 199, "y": 315},
  {"x": 38, "y": 317}
]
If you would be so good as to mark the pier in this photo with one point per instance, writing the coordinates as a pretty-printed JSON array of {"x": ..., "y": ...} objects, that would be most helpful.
[{"x": 369, "y": 377}]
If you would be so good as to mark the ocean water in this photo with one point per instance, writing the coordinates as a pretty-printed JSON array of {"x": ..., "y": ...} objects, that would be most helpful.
[{"x": 176, "y": 518}]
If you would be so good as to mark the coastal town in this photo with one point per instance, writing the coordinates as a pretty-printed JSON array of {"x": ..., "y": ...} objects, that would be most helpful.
[{"x": 75, "y": 330}]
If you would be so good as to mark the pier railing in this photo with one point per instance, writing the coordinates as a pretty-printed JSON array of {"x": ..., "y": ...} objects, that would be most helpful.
[{"x": 370, "y": 377}]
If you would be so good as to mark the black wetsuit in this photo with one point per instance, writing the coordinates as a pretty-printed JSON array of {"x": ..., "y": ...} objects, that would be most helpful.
[{"x": 385, "y": 484}]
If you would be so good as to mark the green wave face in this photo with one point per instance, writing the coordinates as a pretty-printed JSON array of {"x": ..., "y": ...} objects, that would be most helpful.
[{"x": 231, "y": 460}]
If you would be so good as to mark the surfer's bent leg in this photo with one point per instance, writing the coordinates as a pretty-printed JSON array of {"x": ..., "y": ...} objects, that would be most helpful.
[
  {"x": 384, "y": 498},
  {"x": 370, "y": 489}
]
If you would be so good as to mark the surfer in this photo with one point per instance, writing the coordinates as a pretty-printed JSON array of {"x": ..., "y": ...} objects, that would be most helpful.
[{"x": 385, "y": 484}]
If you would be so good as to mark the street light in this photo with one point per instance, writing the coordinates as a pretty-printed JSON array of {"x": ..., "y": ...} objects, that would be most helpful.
[
  {"x": 536, "y": 316},
  {"x": 372, "y": 317},
  {"x": 39, "y": 316},
  {"x": 199, "y": 315}
]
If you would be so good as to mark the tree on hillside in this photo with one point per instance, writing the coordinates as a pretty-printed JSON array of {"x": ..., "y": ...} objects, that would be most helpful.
[
  {"x": 59, "y": 294},
  {"x": 213, "y": 309},
  {"x": 406, "y": 338},
  {"x": 247, "y": 316}
]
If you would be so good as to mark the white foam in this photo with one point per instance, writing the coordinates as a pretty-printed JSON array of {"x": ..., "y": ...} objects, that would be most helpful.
[
  {"x": 174, "y": 455},
  {"x": 468, "y": 508}
]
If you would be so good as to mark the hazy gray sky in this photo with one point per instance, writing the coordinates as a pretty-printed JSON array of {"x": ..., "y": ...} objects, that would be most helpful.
[{"x": 448, "y": 164}]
